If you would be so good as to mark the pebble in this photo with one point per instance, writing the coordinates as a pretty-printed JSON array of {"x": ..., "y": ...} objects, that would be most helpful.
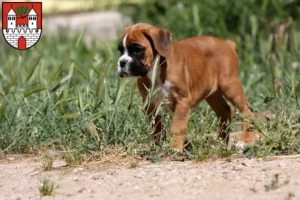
[
  {"x": 59, "y": 164},
  {"x": 81, "y": 190},
  {"x": 17, "y": 197},
  {"x": 10, "y": 158},
  {"x": 91, "y": 191},
  {"x": 95, "y": 177},
  {"x": 138, "y": 176},
  {"x": 76, "y": 170},
  {"x": 34, "y": 173},
  {"x": 110, "y": 173}
]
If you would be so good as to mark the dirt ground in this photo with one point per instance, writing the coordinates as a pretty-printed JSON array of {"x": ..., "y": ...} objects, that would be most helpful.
[{"x": 113, "y": 178}]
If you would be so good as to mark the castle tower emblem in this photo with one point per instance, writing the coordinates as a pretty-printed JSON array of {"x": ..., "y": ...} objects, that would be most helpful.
[{"x": 22, "y": 23}]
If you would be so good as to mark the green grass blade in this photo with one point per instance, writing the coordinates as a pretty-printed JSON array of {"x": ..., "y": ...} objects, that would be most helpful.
[
  {"x": 34, "y": 67},
  {"x": 11, "y": 83},
  {"x": 80, "y": 104},
  {"x": 71, "y": 115},
  {"x": 81, "y": 72},
  {"x": 61, "y": 83},
  {"x": 34, "y": 90},
  {"x": 80, "y": 38},
  {"x": 272, "y": 70},
  {"x": 55, "y": 71},
  {"x": 120, "y": 92},
  {"x": 2, "y": 109},
  {"x": 64, "y": 101}
]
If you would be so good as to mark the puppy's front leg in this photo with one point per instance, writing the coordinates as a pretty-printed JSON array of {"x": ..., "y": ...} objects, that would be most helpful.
[
  {"x": 144, "y": 84},
  {"x": 158, "y": 127},
  {"x": 179, "y": 125}
]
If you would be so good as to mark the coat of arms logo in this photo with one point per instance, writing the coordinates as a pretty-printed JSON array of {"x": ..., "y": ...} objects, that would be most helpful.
[{"x": 22, "y": 23}]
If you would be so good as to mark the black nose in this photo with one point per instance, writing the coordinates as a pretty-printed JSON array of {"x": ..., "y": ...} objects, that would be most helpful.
[{"x": 122, "y": 63}]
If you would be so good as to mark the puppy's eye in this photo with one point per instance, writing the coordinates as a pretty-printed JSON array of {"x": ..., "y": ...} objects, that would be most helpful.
[{"x": 137, "y": 50}]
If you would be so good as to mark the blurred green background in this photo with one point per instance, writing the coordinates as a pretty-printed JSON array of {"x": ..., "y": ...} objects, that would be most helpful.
[{"x": 65, "y": 94}]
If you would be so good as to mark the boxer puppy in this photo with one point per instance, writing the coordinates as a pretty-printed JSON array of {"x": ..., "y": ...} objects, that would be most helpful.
[{"x": 189, "y": 71}]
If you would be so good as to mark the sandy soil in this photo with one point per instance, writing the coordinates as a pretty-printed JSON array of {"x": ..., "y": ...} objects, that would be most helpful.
[{"x": 112, "y": 178}]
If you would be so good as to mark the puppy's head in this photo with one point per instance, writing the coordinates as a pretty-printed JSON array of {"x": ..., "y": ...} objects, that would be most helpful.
[{"x": 138, "y": 47}]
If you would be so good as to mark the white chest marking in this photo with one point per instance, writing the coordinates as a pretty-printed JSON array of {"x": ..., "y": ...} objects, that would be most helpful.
[
  {"x": 166, "y": 88},
  {"x": 163, "y": 93},
  {"x": 162, "y": 87}
]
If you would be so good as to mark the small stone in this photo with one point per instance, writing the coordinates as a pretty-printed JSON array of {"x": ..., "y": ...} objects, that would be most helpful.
[
  {"x": 59, "y": 164},
  {"x": 95, "y": 177},
  {"x": 91, "y": 191},
  {"x": 81, "y": 190},
  {"x": 52, "y": 154},
  {"x": 17, "y": 197},
  {"x": 34, "y": 173},
  {"x": 76, "y": 170},
  {"x": 75, "y": 178},
  {"x": 138, "y": 176},
  {"x": 111, "y": 173},
  {"x": 10, "y": 158}
]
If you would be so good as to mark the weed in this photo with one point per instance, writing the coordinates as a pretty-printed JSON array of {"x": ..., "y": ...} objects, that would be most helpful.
[
  {"x": 153, "y": 159},
  {"x": 290, "y": 196},
  {"x": 275, "y": 184},
  {"x": 253, "y": 190},
  {"x": 47, "y": 164},
  {"x": 73, "y": 158},
  {"x": 133, "y": 163},
  {"x": 207, "y": 147},
  {"x": 47, "y": 187}
]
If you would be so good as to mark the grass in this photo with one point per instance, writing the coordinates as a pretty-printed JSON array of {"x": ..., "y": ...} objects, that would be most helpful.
[
  {"x": 47, "y": 187},
  {"x": 50, "y": 7},
  {"x": 74, "y": 158},
  {"x": 275, "y": 183},
  {"x": 47, "y": 163},
  {"x": 66, "y": 96},
  {"x": 133, "y": 164},
  {"x": 208, "y": 147}
]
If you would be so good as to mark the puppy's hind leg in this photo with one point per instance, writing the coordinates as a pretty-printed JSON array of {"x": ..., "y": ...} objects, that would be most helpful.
[
  {"x": 223, "y": 112},
  {"x": 234, "y": 93}
]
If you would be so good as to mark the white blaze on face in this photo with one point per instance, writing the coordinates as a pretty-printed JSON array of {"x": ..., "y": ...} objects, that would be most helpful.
[{"x": 125, "y": 57}]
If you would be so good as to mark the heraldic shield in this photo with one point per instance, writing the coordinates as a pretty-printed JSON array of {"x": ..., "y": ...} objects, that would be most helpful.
[{"x": 22, "y": 23}]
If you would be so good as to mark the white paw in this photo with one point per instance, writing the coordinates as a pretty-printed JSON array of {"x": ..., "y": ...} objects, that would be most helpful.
[
  {"x": 240, "y": 145},
  {"x": 175, "y": 150}
]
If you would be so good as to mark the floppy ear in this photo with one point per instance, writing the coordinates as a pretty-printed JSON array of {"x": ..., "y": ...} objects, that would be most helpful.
[{"x": 160, "y": 39}]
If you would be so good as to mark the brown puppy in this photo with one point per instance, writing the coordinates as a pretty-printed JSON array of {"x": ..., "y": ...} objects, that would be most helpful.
[{"x": 191, "y": 70}]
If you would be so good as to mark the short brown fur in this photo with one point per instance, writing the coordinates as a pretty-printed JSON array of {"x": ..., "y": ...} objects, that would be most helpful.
[{"x": 198, "y": 68}]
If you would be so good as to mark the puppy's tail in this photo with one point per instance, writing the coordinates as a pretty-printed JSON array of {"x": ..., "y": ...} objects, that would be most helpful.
[{"x": 231, "y": 43}]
